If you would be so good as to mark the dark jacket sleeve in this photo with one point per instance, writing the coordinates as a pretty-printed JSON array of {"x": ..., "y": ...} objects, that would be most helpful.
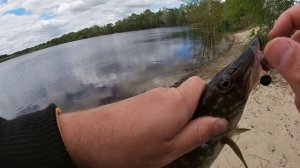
[{"x": 34, "y": 141}]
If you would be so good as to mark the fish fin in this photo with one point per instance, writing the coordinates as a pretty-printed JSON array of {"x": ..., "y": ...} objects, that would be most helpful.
[
  {"x": 240, "y": 131},
  {"x": 235, "y": 149}
]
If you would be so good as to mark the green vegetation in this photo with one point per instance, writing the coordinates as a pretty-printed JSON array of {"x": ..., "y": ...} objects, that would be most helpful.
[
  {"x": 208, "y": 16},
  {"x": 211, "y": 16},
  {"x": 234, "y": 15},
  {"x": 214, "y": 16},
  {"x": 259, "y": 13}
]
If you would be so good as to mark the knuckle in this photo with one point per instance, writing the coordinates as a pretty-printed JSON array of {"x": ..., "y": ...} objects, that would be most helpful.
[
  {"x": 158, "y": 91},
  {"x": 169, "y": 154},
  {"x": 200, "y": 135},
  {"x": 169, "y": 95},
  {"x": 198, "y": 79},
  {"x": 174, "y": 94}
]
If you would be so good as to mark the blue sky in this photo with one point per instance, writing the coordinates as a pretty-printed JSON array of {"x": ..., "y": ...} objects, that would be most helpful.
[
  {"x": 18, "y": 12},
  {"x": 25, "y": 23}
]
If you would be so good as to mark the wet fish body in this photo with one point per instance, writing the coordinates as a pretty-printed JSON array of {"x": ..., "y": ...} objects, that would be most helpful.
[{"x": 225, "y": 97}]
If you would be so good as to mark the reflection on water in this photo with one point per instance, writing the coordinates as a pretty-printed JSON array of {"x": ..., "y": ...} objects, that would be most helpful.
[{"x": 96, "y": 71}]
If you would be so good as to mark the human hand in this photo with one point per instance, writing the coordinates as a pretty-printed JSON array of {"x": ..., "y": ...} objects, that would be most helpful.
[
  {"x": 283, "y": 51},
  {"x": 149, "y": 130}
]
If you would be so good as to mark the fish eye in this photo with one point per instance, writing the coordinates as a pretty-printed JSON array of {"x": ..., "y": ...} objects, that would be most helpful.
[{"x": 225, "y": 85}]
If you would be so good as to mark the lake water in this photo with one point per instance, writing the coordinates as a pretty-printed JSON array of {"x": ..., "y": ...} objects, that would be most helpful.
[{"x": 97, "y": 71}]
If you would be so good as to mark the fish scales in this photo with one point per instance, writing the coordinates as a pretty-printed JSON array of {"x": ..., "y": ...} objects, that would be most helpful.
[{"x": 225, "y": 97}]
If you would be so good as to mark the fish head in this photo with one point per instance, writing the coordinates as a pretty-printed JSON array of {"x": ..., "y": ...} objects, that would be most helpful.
[
  {"x": 225, "y": 97},
  {"x": 228, "y": 92}
]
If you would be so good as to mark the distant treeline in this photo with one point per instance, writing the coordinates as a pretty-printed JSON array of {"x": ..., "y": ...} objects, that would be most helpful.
[
  {"x": 5, "y": 57},
  {"x": 210, "y": 16},
  {"x": 145, "y": 20}
]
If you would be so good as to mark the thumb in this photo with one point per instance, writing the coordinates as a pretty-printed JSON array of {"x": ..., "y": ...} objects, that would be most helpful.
[
  {"x": 196, "y": 133},
  {"x": 284, "y": 55}
]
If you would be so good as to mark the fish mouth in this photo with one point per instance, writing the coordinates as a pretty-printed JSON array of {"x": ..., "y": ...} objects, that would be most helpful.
[
  {"x": 254, "y": 68},
  {"x": 246, "y": 69}
]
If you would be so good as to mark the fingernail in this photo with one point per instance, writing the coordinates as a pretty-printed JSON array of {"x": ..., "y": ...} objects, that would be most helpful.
[
  {"x": 284, "y": 52},
  {"x": 221, "y": 126},
  {"x": 277, "y": 52},
  {"x": 266, "y": 66}
]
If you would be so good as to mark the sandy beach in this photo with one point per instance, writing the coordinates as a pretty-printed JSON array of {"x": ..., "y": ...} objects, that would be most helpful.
[{"x": 274, "y": 139}]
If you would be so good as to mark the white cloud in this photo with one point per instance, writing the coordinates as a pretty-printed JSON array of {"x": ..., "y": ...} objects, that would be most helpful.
[{"x": 48, "y": 19}]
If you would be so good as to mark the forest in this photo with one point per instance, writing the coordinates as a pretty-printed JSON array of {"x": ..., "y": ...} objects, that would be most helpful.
[{"x": 210, "y": 16}]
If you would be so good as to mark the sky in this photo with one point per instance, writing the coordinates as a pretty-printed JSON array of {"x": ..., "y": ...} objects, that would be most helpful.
[{"x": 26, "y": 23}]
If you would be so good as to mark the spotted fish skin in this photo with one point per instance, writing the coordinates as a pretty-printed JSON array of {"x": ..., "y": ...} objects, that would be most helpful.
[{"x": 225, "y": 97}]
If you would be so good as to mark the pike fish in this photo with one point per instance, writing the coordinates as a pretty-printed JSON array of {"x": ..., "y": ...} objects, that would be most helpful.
[{"x": 225, "y": 97}]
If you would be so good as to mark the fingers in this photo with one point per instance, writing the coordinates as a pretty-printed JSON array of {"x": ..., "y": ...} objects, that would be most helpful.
[
  {"x": 296, "y": 36},
  {"x": 284, "y": 55},
  {"x": 164, "y": 111},
  {"x": 197, "y": 133},
  {"x": 177, "y": 105},
  {"x": 287, "y": 23},
  {"x": 191, "y": 91}
]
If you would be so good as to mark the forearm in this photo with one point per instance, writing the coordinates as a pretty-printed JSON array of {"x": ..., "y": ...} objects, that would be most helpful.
[
  {"x": 76, "y": 130},
  {"x": 89, "y": 138}
]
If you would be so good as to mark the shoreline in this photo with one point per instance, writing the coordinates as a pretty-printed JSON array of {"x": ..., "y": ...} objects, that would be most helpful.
[
  {"x": 207, "y": 71},
  {"x": 239, "y": 41}
]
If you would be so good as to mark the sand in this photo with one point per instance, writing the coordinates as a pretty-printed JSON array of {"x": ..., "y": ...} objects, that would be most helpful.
[{"x": 274, "y": 139}]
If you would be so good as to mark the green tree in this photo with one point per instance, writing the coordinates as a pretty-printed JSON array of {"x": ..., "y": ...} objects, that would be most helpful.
[
  {"x": 208, "y": 16},
  {"x": 242, "y": 14},
  {"x": 260, "y": 13},
  {"x": 272, "y": 9}
]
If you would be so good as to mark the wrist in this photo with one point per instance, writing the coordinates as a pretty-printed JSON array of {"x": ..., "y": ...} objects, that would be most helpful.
[
  {"x": 70, "y": 133},
  {"x": 85, "y": 135}
]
